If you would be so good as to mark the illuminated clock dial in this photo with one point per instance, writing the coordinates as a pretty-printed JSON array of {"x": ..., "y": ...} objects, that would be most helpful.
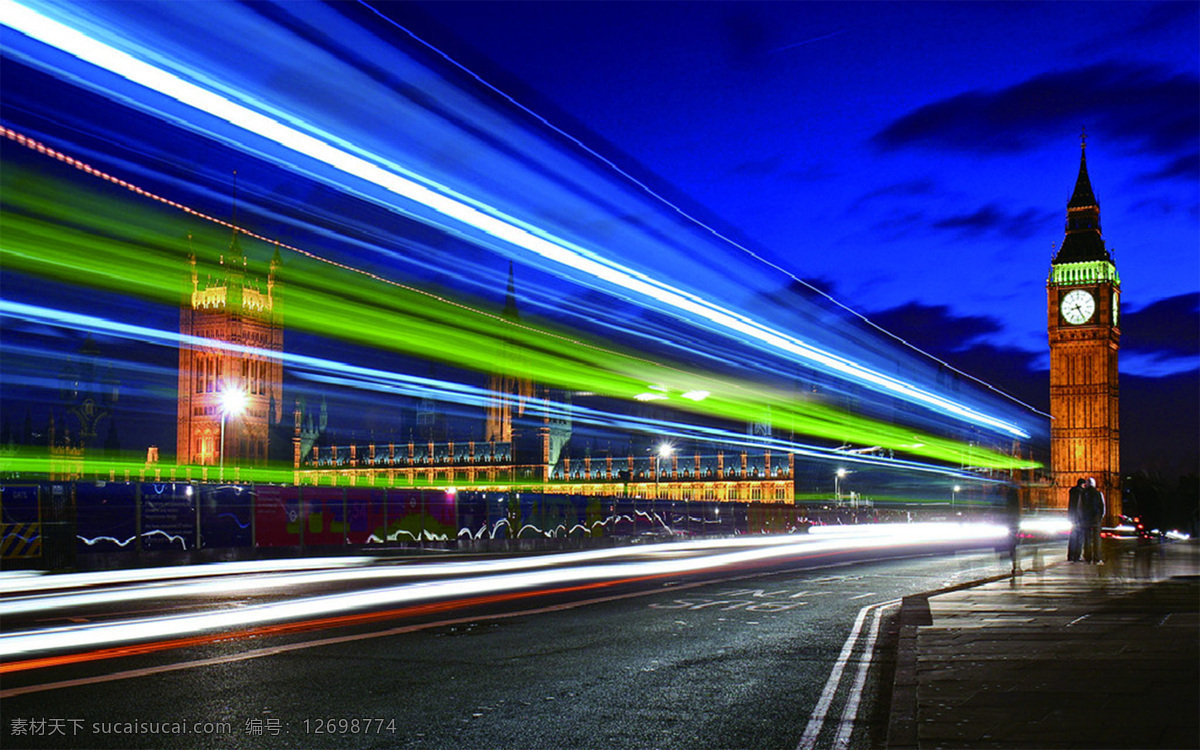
[{"x": 1078, "y": 306}]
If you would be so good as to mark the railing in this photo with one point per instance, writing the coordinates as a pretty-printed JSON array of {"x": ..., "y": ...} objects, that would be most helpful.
[
  {"x": 1089, "y": 272},
  {"x": 111, "y": 524}
]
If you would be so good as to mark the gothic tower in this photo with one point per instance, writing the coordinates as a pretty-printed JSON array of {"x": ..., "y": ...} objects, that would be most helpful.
[
  {"x": 1083, "y": 299},
  {"x": 230, "y": 390},
  {"x": 509, "y": 386}
]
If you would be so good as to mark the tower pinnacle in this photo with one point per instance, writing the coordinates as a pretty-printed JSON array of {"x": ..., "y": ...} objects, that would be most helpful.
[
  {"x": 1083, "y": 241},
  {"x": 510, "y": 297}
]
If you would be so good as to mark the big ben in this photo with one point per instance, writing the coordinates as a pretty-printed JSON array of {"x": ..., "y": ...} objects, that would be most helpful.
[{"x": 1083, "y": 296}]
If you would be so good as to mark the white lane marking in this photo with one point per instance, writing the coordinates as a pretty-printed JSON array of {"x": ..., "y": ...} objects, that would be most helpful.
[
  {"x": 850, "y": 712},
  {"x": 808, "y": 740},
  {"x": 862, "y": 596}
]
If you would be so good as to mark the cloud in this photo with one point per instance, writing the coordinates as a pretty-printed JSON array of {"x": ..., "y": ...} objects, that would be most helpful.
[
  {"x": 1168, "y": 328},
  {"x": 905, "y": 189},
  {"x": 992, "y": 218},
  {"x": 1147, "y": 104},
  {"x": 935, "y": 328},
  {"x": 958, "y": 340},
  {"x": 1186, "y": 166},
  {"x": 1162, "y": 18}
]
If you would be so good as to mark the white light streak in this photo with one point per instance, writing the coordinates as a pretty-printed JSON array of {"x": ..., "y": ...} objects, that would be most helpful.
[
  {"x": 480, "y": 578},
  {"x": 1046, "y": 525}
]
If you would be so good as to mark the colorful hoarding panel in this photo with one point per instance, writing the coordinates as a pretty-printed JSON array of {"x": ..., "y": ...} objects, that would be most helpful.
[
  {"x": 20, "y": 523},
  {"x": 276, "y": 516},
  {"x": 474, "y": 522},
  {"x": 324, "y": 515},
  {"x": 421, "y": 516},
  {"x": 168, "y": 516},
  {"x": 105, "y": 517},
  {"x": 366, "y": 515},
  {"x": 225, "y": 512},
  {"x": 441, "y": 516}
]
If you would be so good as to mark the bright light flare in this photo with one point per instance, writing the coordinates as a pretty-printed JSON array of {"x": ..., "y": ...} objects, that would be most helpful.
[
  {"x": 233, "y": 402},
  {"x": 1049, "y": 526},
  {"x": 650, "y": 397}
]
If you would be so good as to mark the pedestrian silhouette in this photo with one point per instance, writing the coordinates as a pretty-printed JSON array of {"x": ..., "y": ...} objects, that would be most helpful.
[
  {"x": 1012, "y": 503},
  {"x": 1092, "y": 511},
  {"x": 1074, "y": 501}
]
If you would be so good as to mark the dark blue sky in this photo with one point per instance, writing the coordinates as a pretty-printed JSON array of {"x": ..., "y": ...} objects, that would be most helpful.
[{"x": 915, "y": 159}]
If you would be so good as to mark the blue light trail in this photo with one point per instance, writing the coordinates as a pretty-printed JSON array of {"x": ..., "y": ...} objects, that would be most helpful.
[{"x": 468, "y": 216}]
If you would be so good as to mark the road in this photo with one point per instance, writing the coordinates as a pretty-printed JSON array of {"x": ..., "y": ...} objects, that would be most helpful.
[{"x": 743, "y": 655}]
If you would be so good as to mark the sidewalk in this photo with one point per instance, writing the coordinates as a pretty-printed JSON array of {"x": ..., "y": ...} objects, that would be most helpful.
[{"x": 1064, "y": 655}]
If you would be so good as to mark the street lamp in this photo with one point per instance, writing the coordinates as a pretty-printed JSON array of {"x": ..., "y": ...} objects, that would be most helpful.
[
  {"x": 233, "y": 402},
  {"x": 664, "y": 453},
  {"x": 837, "y": 485},
  {"x": 954, "y": 496}
]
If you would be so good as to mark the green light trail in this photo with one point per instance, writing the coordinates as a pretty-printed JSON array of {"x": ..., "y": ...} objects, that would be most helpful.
[{"x": 58, "y": 231}]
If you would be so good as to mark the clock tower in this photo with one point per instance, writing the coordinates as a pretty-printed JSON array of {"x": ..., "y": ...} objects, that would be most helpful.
[{"x": 1083, "y": 298}]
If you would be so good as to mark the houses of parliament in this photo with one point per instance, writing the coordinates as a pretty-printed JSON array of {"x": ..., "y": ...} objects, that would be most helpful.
[{"x": 232, "y": 325}]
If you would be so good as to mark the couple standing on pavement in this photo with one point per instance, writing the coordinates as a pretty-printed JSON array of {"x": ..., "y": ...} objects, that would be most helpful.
[{"x": 1085, "y": 510}]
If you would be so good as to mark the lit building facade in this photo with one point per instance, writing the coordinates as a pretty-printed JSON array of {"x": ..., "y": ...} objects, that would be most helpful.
[
  {"x": 1083, "y": 306},
  {"x": 528, "y": 444},
  {"x": 238, "y": 318}
]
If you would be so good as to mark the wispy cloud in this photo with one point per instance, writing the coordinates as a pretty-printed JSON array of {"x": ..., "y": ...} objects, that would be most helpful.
[
  {"x": 1149, "y": 105},
  {"x": 1168, "y": 328}
]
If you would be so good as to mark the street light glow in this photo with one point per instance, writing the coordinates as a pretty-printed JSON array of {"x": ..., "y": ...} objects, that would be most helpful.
[{"x": 233, "y": 402}]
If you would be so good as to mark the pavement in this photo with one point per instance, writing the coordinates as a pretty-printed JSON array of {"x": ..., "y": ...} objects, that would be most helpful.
[{"x": 1060, "y": 655}]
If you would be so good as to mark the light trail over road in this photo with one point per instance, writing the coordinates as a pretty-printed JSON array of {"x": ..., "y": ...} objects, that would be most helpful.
[
  {"x": 454, "y": 580},
  {"x": 729, "y": 643}
]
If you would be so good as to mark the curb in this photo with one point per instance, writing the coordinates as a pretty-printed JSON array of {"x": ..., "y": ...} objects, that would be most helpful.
[{"x": 914, "y": 613}]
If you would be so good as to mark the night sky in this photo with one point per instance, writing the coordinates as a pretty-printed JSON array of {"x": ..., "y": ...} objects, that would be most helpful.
[
  {"x": 912, "y": 160},
  {"x": 902, "y": 153}
]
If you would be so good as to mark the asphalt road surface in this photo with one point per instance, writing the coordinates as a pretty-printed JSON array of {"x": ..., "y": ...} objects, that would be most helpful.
[{"x": 782, "y": 653}]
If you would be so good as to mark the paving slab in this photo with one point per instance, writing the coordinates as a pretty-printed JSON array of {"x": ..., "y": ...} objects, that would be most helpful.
[{"x": 1067, "y": 655}]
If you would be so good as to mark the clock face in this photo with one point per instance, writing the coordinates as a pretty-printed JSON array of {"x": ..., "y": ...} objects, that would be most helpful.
[{"x": 1078, "y": 306}]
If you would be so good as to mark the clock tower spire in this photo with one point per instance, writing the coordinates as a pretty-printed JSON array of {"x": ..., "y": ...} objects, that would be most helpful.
[{"x": 1083, "y": 300}]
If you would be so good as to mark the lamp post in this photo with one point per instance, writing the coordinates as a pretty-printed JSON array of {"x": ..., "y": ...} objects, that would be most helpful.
[
  {"x": 837, "y": 485},
  {"x": 233, "y": 402},
  {"x": 664, "y": 453},
  {"x": 954, "y": 496}
]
